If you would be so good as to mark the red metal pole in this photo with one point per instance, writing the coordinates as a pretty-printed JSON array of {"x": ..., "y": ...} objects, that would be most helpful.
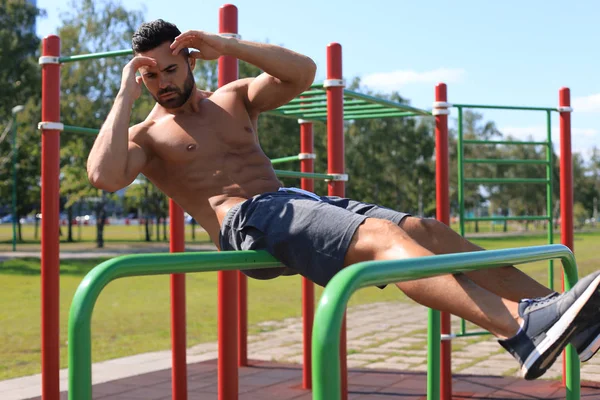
[
  {"x": 566, "y": 184},
  {"x": 335, "y": 157},
  {"x": 228, "y": 280},
  {"x": 50, "y": 260},
  {"x": 308, "y": 288},
  {"x": 566, "y": 170},
  {"x": 443, "y": 215},
  {"x": 178, "y": 317}
]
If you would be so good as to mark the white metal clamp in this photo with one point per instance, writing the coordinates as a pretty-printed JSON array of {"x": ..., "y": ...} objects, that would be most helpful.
[
  {"x": 48, "y": 60},
  {"x": 307, "y": 156},
  {"x": 231, "y": 35},
  {"x": 565, "y": 109},
  {"x": 334, "y": 83},
  {"x": 55, "y": 126},
  {"x": 441, "y": 108}
]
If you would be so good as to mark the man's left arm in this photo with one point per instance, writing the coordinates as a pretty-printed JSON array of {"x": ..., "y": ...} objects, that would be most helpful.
[{"x": 286, "y": 73}]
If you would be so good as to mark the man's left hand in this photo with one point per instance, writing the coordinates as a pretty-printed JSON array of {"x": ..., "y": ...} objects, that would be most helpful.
[{"x": 210, "y": 46}]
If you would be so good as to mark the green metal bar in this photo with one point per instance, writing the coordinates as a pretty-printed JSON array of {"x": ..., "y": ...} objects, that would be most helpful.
[
  {"x": 312, "y": 99},
  {"x": 334, "y": 300},
  {"x": 312, "y": 92},
  {"x": 504, "y": 107},
  {"x": 433, "y": 354},
  {"x": 502, "y": 161},
  {"x": 461, "y": 173},
  {"x": 506, "y": 180},
  {"x": 366, "y": 114},
  {"x": 476, "y": 333},
  {"x": 499, "y": 218},
  {"x": 388, "y": 103},
  {"x": 79, "y": 129},
  {"x": 296, "y": 174},
  {"x": 507, "y": 142},
  {"x": 80, "y": 316},
  {"x": 317, "y": 105},
  {"x": 13, "y": 148},
  {"x": 549, "y": 190},
  {"x": 106, "y": 54},
  {"x": 284, "y": 159}
]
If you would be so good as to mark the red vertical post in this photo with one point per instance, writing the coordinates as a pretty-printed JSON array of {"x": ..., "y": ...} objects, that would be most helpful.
[
  {"x": 335, "y": 157},
  {"x": 566, "y": 184},
  {"x": 566, "y": 169},
  {"x": 308, "y": 288},
  {"x": 443, "y": 215},
  {"x": 50, "y": 260},
  {"x": 178, "y": 317},
  {"x": 228, "y": 280}
]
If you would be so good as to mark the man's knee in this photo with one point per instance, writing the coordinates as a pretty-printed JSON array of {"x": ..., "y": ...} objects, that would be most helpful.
[{"x": 423, "y": 226}]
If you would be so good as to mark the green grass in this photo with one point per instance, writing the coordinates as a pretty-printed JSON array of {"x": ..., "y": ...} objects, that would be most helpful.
[
  {"x": 132, "y": 315},
  {"x": 115, "y": 237}
]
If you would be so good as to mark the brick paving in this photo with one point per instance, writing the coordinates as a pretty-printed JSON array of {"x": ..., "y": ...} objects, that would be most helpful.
[{"x": 387, "y": 354}]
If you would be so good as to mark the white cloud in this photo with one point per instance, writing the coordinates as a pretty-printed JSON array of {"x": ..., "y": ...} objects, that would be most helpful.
[
  {"x": 393, "y": 80},
  {"x": 589, "y": 103}
]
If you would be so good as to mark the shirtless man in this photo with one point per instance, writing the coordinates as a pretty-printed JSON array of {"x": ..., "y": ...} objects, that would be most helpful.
[{"x": 202, "y": 150}]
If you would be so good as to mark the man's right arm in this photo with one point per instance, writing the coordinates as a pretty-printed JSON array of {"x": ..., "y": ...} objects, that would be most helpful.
[{"x": 117, "y": 157}]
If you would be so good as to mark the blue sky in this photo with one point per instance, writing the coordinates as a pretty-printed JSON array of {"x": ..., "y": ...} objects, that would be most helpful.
[{"x": 508, "y": 52}]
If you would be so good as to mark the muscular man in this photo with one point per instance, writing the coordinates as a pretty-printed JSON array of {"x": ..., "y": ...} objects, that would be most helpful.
[{"x": 202, "y": 150}]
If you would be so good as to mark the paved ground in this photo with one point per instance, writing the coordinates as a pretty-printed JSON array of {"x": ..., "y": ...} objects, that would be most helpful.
[{"x": 380, "y": 336}]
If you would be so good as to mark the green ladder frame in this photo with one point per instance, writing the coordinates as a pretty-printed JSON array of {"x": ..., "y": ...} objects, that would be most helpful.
[{"x": 548, "y": 181}]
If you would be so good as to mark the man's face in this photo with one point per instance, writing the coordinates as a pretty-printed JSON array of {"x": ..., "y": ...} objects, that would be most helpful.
[{"x": 171, "y": 81}]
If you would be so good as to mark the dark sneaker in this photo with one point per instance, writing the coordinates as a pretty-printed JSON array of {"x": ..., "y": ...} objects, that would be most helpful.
[
  {"x": 587, "y": 342},
  {"x": 550, "y": 322}
]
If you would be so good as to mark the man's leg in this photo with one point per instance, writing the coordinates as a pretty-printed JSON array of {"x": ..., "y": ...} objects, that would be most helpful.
[
  {"x": 547, "y": 325},
  {"x": 382, "y": 240},
  {"x": 507, "y": 282}
]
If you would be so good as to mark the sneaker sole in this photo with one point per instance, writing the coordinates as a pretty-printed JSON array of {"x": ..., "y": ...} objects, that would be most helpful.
[
  {"x": 539, "y": 361},
  {"x": 590, "y": 350}
]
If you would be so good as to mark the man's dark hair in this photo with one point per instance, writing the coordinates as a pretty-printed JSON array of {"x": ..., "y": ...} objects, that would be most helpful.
[{"x": 152, "y": 34}]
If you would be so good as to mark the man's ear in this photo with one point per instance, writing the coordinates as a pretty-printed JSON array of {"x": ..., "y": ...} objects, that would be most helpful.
[{"x": 192, "y": 62}]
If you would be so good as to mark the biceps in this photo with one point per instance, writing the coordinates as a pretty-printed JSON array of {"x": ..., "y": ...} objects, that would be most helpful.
[
  {"x": 267, "y": 92},
  {"x": 136, "y": 161}
]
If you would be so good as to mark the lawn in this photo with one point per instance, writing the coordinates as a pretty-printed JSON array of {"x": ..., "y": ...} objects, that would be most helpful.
[{"x": 132, "y": 315}]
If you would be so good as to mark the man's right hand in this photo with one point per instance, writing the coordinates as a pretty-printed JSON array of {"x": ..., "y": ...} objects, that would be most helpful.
[{"x": 131, "y": 85}]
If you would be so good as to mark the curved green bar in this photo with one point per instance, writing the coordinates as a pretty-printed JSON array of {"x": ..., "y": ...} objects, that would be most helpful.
[
  {"x": 331, "y": 308},
  {"x": 80, "y": 315},
  {"x": 284, "y": 159}
]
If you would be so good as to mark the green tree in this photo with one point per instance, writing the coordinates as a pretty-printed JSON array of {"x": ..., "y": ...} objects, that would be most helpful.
[
  {"x": 19, "y": 85},
  {"x": 89, "y": 88}
]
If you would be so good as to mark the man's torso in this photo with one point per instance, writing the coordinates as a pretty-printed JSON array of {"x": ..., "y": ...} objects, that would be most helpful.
[{"x": 208, "y": 161}]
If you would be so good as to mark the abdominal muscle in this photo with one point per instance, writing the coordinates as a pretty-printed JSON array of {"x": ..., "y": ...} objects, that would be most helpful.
[{"x": 206, "y": 193}]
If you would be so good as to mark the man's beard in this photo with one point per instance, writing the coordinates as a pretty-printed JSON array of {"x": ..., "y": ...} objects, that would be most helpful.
[{"x": 181, "y": 95}]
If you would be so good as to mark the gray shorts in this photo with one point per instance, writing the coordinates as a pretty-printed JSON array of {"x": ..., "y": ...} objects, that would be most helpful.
[{"x": 309, "y": 234}]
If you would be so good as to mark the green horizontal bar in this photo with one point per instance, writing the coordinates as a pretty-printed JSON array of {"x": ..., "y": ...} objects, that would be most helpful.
[
  {"x": 374, "y": 116},
  {"x": 467, "y": 334},
  {"x": 284, "y": 159},
  {"x": 522, "y": 218},
  {"x": 313, "y": 92},
  {"x": 368, "y": 114},
  {"x": 492, "y": 107},
  {"x": 79, "y": 129},
  {"x": 388, "y": 103},
  {"x": 506, "y": 180},
  {"x": 317, "y": 105},
  {"x": 296, "y": 174},
  {"x": 355, "y": 108},
  {"x": 509, "y": 142},
  {"x": 90, "y": 56},
  {"x": 502, "y": 161},
  {"x": 312, "y": 99}
]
